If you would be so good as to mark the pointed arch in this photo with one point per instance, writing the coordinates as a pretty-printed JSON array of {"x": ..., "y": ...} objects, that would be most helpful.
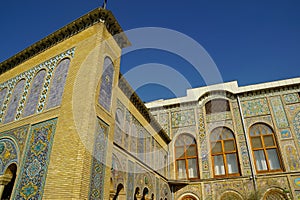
[
  {"x": 58, "y": 83},
  {"x": 34, "y": 94},
  {"x": 107, "y": 77},
  {"x": 14, "y": 101}
]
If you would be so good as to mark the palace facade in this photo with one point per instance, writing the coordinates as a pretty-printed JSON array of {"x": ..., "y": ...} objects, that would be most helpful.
[{"x": 71, "y": 127}]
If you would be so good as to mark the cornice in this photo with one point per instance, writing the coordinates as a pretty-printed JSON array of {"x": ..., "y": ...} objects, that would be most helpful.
[
  {"x": 75, "y": 27},
  {"x": 140, "y": 106}
]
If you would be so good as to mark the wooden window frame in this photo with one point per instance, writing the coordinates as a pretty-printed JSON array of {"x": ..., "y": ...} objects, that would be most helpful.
[
  {"x": 224, "y": 153},
  {"x": 264, "y": 148},
  {"x": 185, "y": 157}
]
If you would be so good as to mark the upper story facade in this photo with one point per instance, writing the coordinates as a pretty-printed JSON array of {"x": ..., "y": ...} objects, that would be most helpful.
[{"x": 244, "y": 135}]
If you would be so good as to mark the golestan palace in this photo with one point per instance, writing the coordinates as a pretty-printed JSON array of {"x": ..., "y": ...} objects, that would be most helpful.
[{"x": 71, "y": 127}]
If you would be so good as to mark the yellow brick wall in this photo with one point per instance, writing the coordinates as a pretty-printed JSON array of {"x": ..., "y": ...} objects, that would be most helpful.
[{"x": 68, "y": 174}]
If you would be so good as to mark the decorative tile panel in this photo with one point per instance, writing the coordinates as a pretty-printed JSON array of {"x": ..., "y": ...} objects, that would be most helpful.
[
  {"x": 296, "y": 123},
  {"x": 292, "y": 157},
  {"x": 285, "y": 134},
  {"x": 35, "y": 92},
  {"x": 242, "y": 142},
  {"x": 107, "y": 77},
  {"x": 19, "y": 135},
  {"x": 203, "y": 159},
  {"x": 157, "y": 186},
  {"x": 255, "y": 107},
  {"x": 98, "y": 162},
  {"x": 296, "y": 182},
  {"x": 14, "y": 102},
  {"x": 130, "y": 181},
  {"x": 8, "y": 154},
  {"x": 31, "y": 180},
  {"x": 279, "y": 113},
  {"x": 218, "y": 116},
  {"x": 165, "y": 122},
  {"x": 183, "y": 118},
  {"x": 58, "y": 83},
  {"x": 291, "y": 98}
]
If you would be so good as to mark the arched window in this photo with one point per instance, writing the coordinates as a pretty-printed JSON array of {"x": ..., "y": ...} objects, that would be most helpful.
[
  {"x": 224, "y": 153},
  {"x": 106, "y": 84},
  {"x": 216, "y": 106},
  {"x": 119, "y": 118},
  {"x": 145, "y": 193},
  {"x": 35, "y": 92},
  {"x": 186, "y": 157},
  {"x": 14, "y": 101},
  {"x": 11, "y": 171},
  {"x": 264, "y": 148},
  {"x": 58, "y": 83},
  {"x": 136, "y": 193},
  {"x": 119, "y": 188}
]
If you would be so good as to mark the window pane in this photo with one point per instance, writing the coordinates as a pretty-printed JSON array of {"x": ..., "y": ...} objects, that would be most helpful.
[
  {"x": 269, "y": 142},
  {"x": 229, "y": 145},
  {"x": 252, "y": 132},
  {"x": 192, "y": 168},
  {"x": 260, "y": 160},
  {"x": 273, "y": 159},
  {"x": 214, "y": 136},
  {"x": 266, "y": 130},
  {"x": 256, "y": 142},
  {"x": 181, "y": 169},
  {"x": 232, "y": 163},
  {"x": 227, "y": 134},
  {"x": 179, "y": 141},
  {"x": 216, "y": 147},
  {"x": 189, "y": 140},
  {"x": 219, "y": 165},
  {"x": 191, "y": 150},
  {"x": 179, "y": 152}
]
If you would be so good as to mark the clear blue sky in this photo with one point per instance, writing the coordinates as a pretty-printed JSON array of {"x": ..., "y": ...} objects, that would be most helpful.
[{"x": 250, "y": 41}]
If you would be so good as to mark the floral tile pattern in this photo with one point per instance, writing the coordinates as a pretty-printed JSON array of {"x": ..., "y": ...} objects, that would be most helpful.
[
  {"x": 31, "y": 180},
  {"x": 255, "y": 107},
  {"x": 279, "y": 113},
  {"x": 8, "y": 154},
  {"x": 291, "y": 98}
]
